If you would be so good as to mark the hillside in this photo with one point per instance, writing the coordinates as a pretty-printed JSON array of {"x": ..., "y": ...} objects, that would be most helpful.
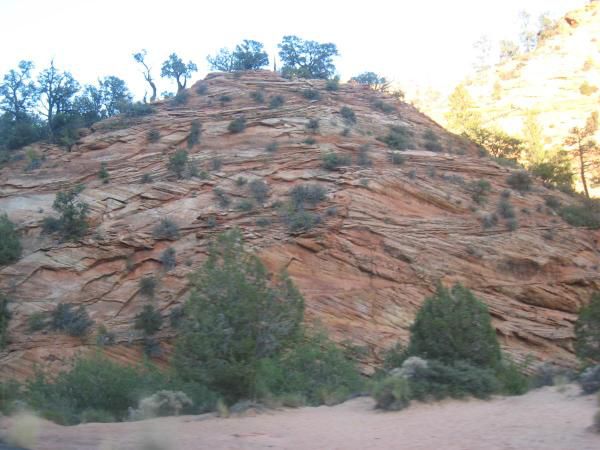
[
  {"x": 388, "y": 232},
  {"x": 558, "y": 82}
]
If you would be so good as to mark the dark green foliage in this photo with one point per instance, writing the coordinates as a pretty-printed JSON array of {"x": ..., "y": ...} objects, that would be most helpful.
[
  {"x": 506, "y": 209},
  {"x": 453, "y": 325},
  {"x": 104, "y": 337},
  {"x": 103, "y": 174},
  {"x": 276, "y": 102},
  {"x": 240, "y": 181},
  {"x": 412, "y": 174},
  {"x": 202, "y": 89},
  {"x": 222, "y": 197},
  {"x": 71, "y": 320},
  {"x": 235, "y": 318},
  {"x": 333, "y": 84},
  {"x": 371, "y": 79},
  {"x": 345, "y": 132},
  {"x": 311, "y": 94},
  {"x": 587, "y": 331},
  {"x": 307, "y": 193},
  {"x": 397, "y": 159},
  {"x": 257, "y": 96},
  {"x": 453, "y": 379},
  {"x": 316, "y": 369},
  {"x": 148, "y": 286},
  {"x": 249, "y": 55},
  {"x": 394, "y": 357},
  {"x": 225, "y": 99},
  {"x": 489, "y": 220},
  {"x": 306, "y": 59},
  {"x": 586, "y": 214},
  {"x": 310, "y": 140},
  {"x": 363, "y": 158},
  {"x": 332, "y": 161},
  {"x": 259, "y": 190},
  {"x": 166, "y": 229},
  {"x": 552, "y": 202},
  {"x": 180, "y": 99},
  {"x": 178, "y": 163},
  {"x": 138, "y": 109},
  {"x": 37, "y": 322},
  {"x": 384, "y": 107},
  {"x": 313, "y": 125},
  {"x": 149, "y": 320},
  {"x": 175, "y": 68},
  {"x": 10, "y": 244},
  {"x": 4, "y": 319},
  {"x": 263, "y": 222},
  {"x": 512, "y": 224},
  {"x": 245, "y": 205},
  {"x": 520, "y": 180},
  {"x": 432, "y": 141},
  {"x": 73, "y": 212},
  {"x": 392, "y": 393},
  {"x": 556, "y": 172},
  {"x": 479, "y": 190},
  {"x": 398, "y": 138},
  {"x": 237, "y": 125},
  {"x": 195, "y": 132},
  {"x": 153, "y": 135},
  {"x": 216, "y": 164},
  {"x": 300, "y": 220},
  {"x": 348, "y": 115},
  {"x": 168, "y": 258}
]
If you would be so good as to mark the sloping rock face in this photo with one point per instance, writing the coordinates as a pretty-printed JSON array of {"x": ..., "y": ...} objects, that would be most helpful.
[
  {"x": 388, "y": 232},
  {"x": 558, "y": 82}
]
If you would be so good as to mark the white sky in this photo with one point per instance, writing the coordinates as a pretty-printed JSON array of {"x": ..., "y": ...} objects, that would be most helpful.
[{"x": 429, "y": 42}]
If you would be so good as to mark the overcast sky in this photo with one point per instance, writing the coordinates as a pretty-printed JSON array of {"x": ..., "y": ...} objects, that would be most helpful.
[{"x": 424, "y": 41}]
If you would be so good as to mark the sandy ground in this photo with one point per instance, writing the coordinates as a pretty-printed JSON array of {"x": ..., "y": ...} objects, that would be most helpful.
[{"x": 547, "y": 418}]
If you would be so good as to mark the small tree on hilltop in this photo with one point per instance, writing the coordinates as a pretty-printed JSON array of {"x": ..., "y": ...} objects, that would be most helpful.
[
  {"x": 234, "y": 318},
  {"x": 372, "y": 80},
  {"x": 587, "y": 331},
  {"x": 306, "y": 59},
  {"x": 175, "y": 68},
  {"x": 454, "y": 326},
  {"x": 140, "y": 57},
  {"x": 249, "y": 55},
  {"x": 462, "y": 115}
]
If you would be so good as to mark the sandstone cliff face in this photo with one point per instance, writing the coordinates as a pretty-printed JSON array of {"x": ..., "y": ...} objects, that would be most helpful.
[
  {"x": 388, "y": 234},
  {"x": 558, "y": 82}
]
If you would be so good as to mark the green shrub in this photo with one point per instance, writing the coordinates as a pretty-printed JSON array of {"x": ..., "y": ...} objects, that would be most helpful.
[
  {"x": 397, "y": 159},
  {"x": 166, "y": 229},
  {"x": 489, "y": 220},
  {"x": 311, "y": 94},
  {"x": 149, "y": 320},
  {"x": 384, "y": 107},
  {"x": 103, "y": 174},
  {"x": 168, "y": 258},
  {"x": 234, "y": 318},
  {"x": 307, "y": 193},
  {"x": 74, "y": 322},
  {"x": 300, "y": 220},
  {"x": 240, "y": 181},
  {"x": 202, "y": 89},
  {"x": 263, "y": 222},
  {"x": 512, "y": 224},
  {"x": 137, "y": 109},
  {"x": 348, "y": 115},
  {"x": 552, "y": 202},
  {"x": 479, "y": 190},
  {"x": 146, "y": 178},
  {"x": 313, "y": 125},
  {"x": 216, "y": 164},
  {"x": 392, "y": 393},
  {"x": 455, "y": 379},
  {"x": 394, "y": 356},
  {"x": 432, "y": 141},
  {"x": 178, "y": 162},
  {"x": 221, "y": 197},
  {"x": 181, "y": 98},
  {"x": 259, "y": 190},
  {"x": 4, "y": 319},
  {"x": 310, "y": 140},
  {"x": 453, "y": 325},
  {"x": 506, "y": 209},
  {"x": 148, "y": 286},
  {"x": 332, "y": 161},
  {"x": 276, "y": 102},
  {"x": 37, "y": 322},
  {"x": 333, "y": 84},
  {"x": 519, "y": 180},
  {"x": 272, "y": 147},
  {"x": 245, "y": 205},
  {"x": 590, "y": 379},
  {"x": 586, "y": 214},
  {"x": 257, "y": 96},
  {"x": 72, "y": 222},
  {"x": 153, "y": 135},
  {"x": 398, "y": 138},
  {"x": 587, "y": 331},
  {"x": 10, "y": 244},
  {"x": 224, "y": 99},
  {"x": 104, "y": 337},
  {"x": 195, "y": 132},
  {"x": 512, "y": 379},
  {"x": 237, "y": 125}
]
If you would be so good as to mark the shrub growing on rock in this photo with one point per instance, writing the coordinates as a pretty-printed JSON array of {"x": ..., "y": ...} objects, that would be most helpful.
[
  {"x": 148, "y": 286},
  {"x": 313, "y": 125},
  {"x": 276, "y": 102},
  {"x": 149, "y": 320},
  {"x": 237, "y": 125},
  {"x": 311, "y": 94},
  {"x": 178, "y": 162},
  {"x": 168, "y": 258},
  {"x": 519, "y": 180},
  {"x": 195, "y": 132},
  {"x": 332, "y": 161},
  {"x": 71, "y": 223},
  {"x": 10, "y": 244},
  {"x": 71, "y": 320},
  {"x": 307, "y": 193},
  {"x": 479, "y": 190},
  {"x": 348, "y": 115},
  {"x": 259, "y": 190},
  {"x": 4, "y": 319},
  {"x": 586, "y": 214},
  {"x": 257, "y": 96},
  {"x": 398, "y": 138},
  {"x": 587, "y": 331},
  {"x": 153, "y": 135},
  {"x": 166, "y": 229}
]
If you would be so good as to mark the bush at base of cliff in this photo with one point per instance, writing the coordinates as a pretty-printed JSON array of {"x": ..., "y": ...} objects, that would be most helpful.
[
  {"x": 587, "y": 331},
  {"x": 10, "y": 244},
  {"x": 392, "y": 393}
]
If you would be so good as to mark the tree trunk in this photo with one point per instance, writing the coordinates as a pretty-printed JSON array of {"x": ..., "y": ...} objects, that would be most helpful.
[{"x": 582, "y": 171}]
